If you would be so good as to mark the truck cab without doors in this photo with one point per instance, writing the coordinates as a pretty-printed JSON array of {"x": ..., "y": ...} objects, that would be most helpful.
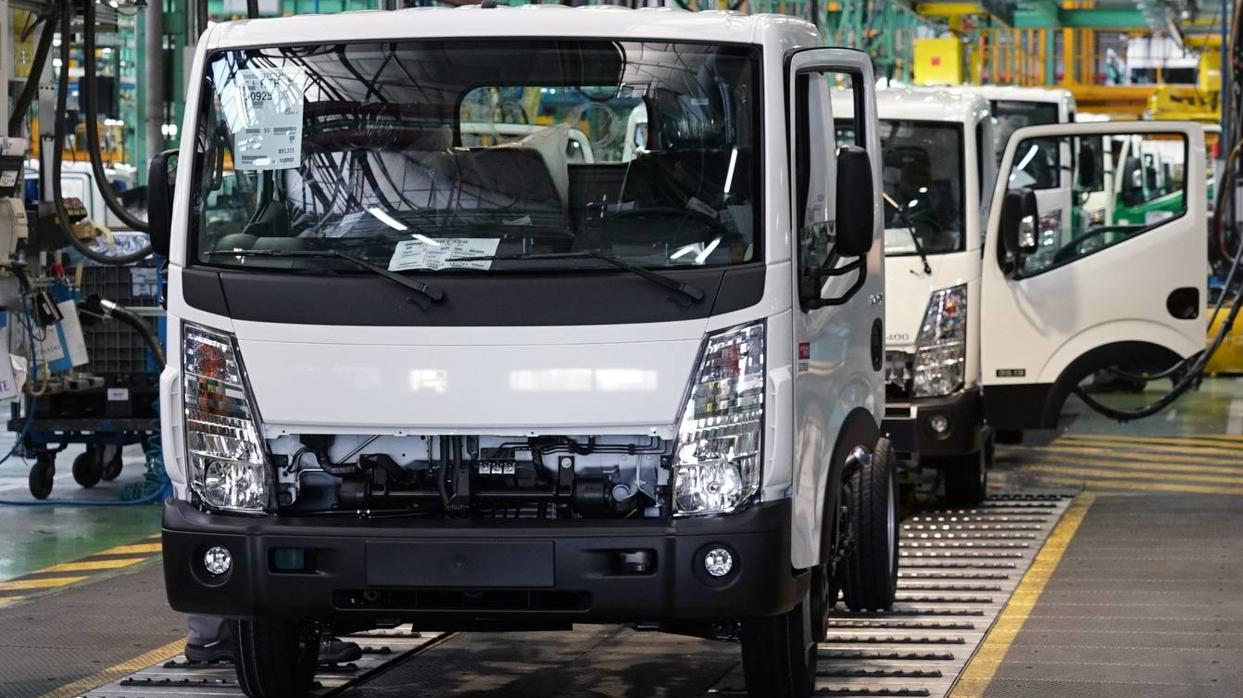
[{"x": 623, "y": 367}]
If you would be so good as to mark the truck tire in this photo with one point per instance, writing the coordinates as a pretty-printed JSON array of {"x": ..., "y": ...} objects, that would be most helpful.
[
  {"x": 87, "y": 469},
  {"x": 870, "y": 567},
  {"x": 966, "y": 477},
  {"x": 779, "y": 654},
  {"x": 275, "y": 658}
]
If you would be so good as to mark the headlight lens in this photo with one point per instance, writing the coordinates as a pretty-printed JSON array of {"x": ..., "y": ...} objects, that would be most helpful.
[
  {"x": 228, "y": 469},
  {"x": 719, "y": 439},
  {"x": 941, "y": 348}
]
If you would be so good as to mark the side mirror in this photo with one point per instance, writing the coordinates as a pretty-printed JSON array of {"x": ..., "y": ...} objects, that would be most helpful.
[
  {"x": 855, "y": 216},
  {"x": 160, "y": 176},
  {"x": 1020, "y": 223}
]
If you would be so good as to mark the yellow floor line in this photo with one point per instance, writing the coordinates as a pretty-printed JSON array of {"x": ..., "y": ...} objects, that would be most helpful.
[
  {"x": 1145, "y": 456},
  {"x": 49, "y": 583},
  {"x": 1086, "y": 464},
  {"x": 983, "y": 665},
  {"x": 112, "y": 673},
  {"x": 1191, "y": 438},
  {"x": 1197, "y": 445},
  {"x": 87, "y": 565},
  {"x": 1132, "y": 474},
  {"x": 1138, "y": 486},
  {"x": 134, "y": 549}
]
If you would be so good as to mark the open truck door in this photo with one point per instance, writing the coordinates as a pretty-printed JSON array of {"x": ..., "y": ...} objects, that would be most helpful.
[{"x": 1061, "y": 302}]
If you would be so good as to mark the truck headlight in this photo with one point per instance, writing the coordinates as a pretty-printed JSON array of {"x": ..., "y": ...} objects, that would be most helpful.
[
  {"x": 228, "y": 468},
  {"x": 719, "y": 439},
  {"x": 941, "y": 348}
]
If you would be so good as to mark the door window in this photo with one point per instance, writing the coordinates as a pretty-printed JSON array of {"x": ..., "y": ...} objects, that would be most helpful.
[
  {"x": 1123, "y": 186},
  {"x": 817, "y": 139}
]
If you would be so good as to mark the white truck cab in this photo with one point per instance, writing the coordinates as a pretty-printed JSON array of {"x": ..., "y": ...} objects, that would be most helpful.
[
  {"x": 432, "y": 371},
  {"x": 986, "y": 335}
]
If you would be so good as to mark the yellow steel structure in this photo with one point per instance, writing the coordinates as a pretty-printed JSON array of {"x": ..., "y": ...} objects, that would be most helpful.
[
  {"x": 938, "y": 61},
  {"x": 1229, "y": 356}
]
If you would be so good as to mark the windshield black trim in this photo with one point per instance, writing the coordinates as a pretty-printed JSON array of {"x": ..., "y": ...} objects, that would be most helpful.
[
  {"x": 759, "y": 240},
  {"x": 601, "y": 296}
]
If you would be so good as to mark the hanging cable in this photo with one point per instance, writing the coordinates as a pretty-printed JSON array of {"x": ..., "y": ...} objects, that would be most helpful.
[
  {"x": 58, "y": 199},
  {"x": 87, "y": 88},
  {"x": 31, "y": 87}
]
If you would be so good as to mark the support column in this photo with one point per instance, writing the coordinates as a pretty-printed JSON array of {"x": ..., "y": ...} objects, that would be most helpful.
[{"x": 153, "y": 74}]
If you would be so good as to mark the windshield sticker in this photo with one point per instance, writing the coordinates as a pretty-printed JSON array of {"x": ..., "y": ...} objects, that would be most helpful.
[
  {"x": 441, "y": 253},
  {"x": 263, "y": 109}
]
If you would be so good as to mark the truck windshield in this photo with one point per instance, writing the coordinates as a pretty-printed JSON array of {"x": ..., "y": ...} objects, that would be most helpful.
[
  {"x": 923, "y": 173},
  {"x": 416, "y": 155}
]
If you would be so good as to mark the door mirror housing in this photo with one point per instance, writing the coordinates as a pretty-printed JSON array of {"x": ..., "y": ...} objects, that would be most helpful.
[
  {"x": 1020, "y": 226},
  {"x": 1090, "y": 167},
  {"x": 161, "y": 174},
  {"x": 856, "y": 219}
]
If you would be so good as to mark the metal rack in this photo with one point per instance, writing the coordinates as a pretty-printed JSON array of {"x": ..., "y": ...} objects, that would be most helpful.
[{"x": 107, "y": 404}]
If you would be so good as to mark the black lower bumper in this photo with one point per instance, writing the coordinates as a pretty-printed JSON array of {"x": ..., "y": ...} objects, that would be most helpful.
[
  {"x": 447, "y": 574},
  {"x": 910, "y": 425}
]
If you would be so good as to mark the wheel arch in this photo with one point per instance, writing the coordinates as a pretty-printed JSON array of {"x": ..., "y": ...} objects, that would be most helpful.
[
  {"x": 859, "y": 427},
  {"x": 1095, "y": 359}
]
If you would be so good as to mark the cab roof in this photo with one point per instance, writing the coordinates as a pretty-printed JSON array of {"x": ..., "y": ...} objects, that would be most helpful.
[
  {"x": 1025, "y": 94},
  {"x": 535, "y": 21},
  {"x": 920, "y": 104}
]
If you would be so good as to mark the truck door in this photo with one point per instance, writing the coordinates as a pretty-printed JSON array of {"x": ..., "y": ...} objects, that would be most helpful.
[
  {"x": 838, "y": 338},
  {"x": 1055, "y": 309}
]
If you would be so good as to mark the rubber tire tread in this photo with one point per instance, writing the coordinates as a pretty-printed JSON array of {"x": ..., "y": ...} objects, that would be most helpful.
[
  {"x": 87, "y": 470},
  {"x": 268, "y": 662},
  {"x": 869, "y": 573},
  {"x": 42, "y": 476},
  {"x": 773, "y": 660},
  {"x": 965, "y": 484},
  {"x": 113, "y": 467}
]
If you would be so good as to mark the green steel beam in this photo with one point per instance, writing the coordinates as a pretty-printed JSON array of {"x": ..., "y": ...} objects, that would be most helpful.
[
  {"x": 1036, "y": 14},
  {"x": 1104, "y": 18}
]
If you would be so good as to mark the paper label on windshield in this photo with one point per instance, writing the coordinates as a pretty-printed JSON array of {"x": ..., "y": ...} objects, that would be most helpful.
[
  {"x": 264, "y": 111},
  {"x": 418, "y": 254}
]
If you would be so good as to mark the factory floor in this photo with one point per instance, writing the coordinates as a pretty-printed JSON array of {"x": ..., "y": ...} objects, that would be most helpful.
[{"x": 1133, "y": 593}]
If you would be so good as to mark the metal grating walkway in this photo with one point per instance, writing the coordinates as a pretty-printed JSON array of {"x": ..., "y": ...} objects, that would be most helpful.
[
  {"x": 957, "y": 572},
  {"x": 177, "y": 677}
]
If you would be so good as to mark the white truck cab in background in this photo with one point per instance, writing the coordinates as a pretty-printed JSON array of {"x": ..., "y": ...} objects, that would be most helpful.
[
  {"x": 1018, "y": 294},
  {"x": 434, "y": 367}
]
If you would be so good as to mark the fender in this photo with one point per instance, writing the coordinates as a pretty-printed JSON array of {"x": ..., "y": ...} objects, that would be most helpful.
[
  {"x": 1039, "y": 405},
  {"x": 858, "y": 428},
  {"x": 1121, "y": 332}
]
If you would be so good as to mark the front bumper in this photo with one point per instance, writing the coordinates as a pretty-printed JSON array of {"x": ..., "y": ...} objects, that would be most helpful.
[
  {"x": 447, "y": 574},
  {"x": 908, "y": 424}
]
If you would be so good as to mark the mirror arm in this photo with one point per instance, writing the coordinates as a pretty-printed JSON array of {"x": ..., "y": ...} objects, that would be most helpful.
[{"x": 858, "y": 265}]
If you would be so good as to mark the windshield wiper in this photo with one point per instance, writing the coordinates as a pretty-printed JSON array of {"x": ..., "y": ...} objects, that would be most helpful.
[
  {"x": 910, "y": 227},
  {"x": 427, "y": 294},
  {"x": 691, "y": 293}
]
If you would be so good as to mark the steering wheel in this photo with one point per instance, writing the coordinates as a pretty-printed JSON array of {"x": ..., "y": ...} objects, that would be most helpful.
[{"x": 1071, "y": 249}]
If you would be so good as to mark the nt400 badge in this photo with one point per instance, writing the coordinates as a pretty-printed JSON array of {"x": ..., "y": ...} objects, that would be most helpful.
[{"x": 264, "y": 113}]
